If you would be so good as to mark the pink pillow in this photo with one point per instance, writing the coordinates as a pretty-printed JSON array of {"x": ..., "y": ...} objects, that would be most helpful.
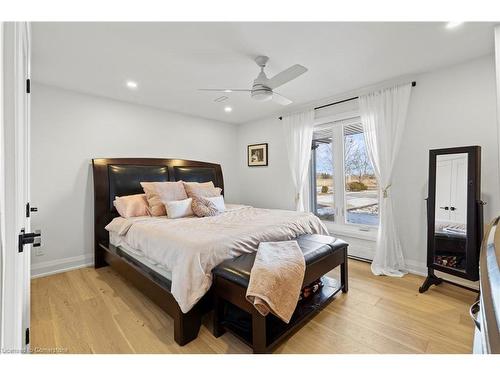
[
  {"x": 201, "y": 189},
  {"x": 131, "y": 205},
  {"x": 159, "y": 193}
]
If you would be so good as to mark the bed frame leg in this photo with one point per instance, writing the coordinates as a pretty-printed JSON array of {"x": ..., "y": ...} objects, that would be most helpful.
[
  {"x": 218, "y": 315},
  {"x": 99, "y": 260},
  {"x": 259, "y": 341},
  {"x": 187, "y": 326},
  {"x": 344, "y": 273}
]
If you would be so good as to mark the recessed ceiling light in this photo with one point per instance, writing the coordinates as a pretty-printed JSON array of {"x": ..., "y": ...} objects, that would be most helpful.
[
  {"x": 132, "y": 84},
  {"x": 452, "y": 25},
  {"x": 227, "y": 109},
  {"x": 228, "y": 90}
]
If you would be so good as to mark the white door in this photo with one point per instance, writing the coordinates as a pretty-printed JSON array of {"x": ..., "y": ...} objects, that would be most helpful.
[
  {"x": 458, "y": 201},
  {"x": 443, "y": 189},
  {"x": 15, "y": 149}
]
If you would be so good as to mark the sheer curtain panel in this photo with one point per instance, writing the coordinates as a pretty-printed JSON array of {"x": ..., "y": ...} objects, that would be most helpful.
[
  {"x": 383, "y": 114},
  {"x": 298, "y": 132}
]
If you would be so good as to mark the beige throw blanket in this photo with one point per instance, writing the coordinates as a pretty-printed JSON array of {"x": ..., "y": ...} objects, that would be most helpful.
[{"x": 276, "y": 278}]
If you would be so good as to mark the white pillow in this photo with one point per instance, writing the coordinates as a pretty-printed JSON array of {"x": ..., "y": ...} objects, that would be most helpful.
[
  {"x": 218, "y": 202},
  {"x": 178, "y": 209}
]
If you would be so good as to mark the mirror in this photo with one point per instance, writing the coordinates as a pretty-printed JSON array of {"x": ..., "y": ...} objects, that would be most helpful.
[
  {"x": 454, "y": 214},
  {"x": 450, "y": 211}
]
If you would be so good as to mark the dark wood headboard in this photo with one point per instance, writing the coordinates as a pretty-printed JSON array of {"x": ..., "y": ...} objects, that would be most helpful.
[{"x": 122, "y": 176}]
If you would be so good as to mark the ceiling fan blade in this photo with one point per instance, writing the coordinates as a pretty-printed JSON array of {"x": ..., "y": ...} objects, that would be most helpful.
[
  {"x": 286, "y": 76},
  {"x": 280, "y": 99},
  {"x": 226, "y": 90}
]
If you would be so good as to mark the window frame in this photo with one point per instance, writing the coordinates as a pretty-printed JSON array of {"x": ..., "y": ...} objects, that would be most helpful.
[
  {"x": 312, "y": 179},
  {"x": 339, "y": 224}
]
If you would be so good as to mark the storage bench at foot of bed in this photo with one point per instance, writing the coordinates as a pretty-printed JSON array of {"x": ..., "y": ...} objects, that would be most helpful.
[{"x": 232, "y": 311}]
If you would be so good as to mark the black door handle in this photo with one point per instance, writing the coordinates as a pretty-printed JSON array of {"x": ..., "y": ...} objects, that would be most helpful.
[
  {"x": 452, "y": 208},
  {"x": 444, "y": 208}
]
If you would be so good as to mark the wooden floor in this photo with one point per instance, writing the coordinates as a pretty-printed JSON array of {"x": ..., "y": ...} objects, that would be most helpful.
[{"x": 97, "y": 311}]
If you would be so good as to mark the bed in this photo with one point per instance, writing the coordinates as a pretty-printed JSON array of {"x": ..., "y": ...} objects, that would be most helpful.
[{"x": 170, "y": 260}]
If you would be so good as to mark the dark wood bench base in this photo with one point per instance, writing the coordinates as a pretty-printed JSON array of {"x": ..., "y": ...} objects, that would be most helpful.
[{"x": 268, "y": 332}]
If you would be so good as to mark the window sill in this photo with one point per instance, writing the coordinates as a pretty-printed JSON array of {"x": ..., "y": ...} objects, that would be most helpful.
[{"x": 352, "y": 231}]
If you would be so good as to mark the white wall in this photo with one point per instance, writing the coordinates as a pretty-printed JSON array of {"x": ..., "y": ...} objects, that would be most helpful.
[
  {"x": 449, "y": 107},
  {"x": 69, "y": 129},
  {"x": 271, "y": 186}
]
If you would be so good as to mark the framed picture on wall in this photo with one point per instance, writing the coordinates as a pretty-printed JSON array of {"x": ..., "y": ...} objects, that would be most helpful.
[{"x": 257, "y": 155}]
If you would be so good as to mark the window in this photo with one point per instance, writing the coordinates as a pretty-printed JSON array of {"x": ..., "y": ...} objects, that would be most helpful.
[
  {"x": 345, "y": 190},
  {"x": 361, "y": 187},
  {"x": 325, "y": 208}
]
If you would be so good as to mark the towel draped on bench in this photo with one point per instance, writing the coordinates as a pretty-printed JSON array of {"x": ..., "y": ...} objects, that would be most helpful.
[{"x": 276, "y": 278}]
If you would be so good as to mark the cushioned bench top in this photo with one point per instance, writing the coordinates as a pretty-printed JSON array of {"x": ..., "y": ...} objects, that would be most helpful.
[{"x": 314, "y": 246}]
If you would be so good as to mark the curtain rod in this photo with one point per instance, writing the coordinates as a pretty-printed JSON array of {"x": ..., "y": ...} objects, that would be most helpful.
[{"x": 413, "y": 84}]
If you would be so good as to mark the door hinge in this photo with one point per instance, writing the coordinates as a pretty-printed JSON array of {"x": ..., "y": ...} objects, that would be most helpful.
[
  {"x": 27, "y": 337},
  {"x": 33, "y": 238},
  {"x": 30, "y": 209},
  {"x": 28, "y": 86}
]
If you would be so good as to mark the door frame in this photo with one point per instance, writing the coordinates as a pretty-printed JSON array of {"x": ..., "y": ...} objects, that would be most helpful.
[
  {"x": 14, "y": 186},
  {"x": 497, "y": 70},
  {"x": 2, "y": 185}
]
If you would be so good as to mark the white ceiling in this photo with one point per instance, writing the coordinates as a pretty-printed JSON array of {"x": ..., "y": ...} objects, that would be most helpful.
[{"x": 170, "y": 61}]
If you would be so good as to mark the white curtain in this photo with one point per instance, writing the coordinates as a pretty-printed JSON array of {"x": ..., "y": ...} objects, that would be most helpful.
[
  {"x": 298, "y": 132},
  {"x": 383, "y": 114}
]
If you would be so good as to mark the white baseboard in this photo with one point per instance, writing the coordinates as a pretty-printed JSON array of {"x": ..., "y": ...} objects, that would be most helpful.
[
  {"x": 52, "y": 267},
  {"x": 416, "y": 268},
  {"x": 360, "y": 253},
  {"x": 420, "y": 268},
  {"x": 360, "y": 248}
]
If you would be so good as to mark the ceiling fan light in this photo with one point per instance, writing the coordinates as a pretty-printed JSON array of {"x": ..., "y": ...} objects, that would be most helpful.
[{"x": 262, "y": 95}]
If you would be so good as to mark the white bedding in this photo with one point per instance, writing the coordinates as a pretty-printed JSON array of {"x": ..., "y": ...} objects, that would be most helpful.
[
  {"x": 191, "y": 247},
  {"x": 117, "y": 240}
]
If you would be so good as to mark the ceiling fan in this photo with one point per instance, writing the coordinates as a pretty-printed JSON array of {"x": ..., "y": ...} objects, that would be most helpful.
[{"x": 263, "y": 87}]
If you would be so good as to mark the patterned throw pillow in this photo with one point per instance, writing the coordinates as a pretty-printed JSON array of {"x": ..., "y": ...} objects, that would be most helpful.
[{"x": 203, "y": 207}]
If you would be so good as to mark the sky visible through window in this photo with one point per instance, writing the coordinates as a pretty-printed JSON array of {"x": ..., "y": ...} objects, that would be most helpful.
[{"x": 324, "y": 157}]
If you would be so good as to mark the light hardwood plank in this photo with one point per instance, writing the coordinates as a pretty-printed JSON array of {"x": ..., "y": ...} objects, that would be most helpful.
[{"x": 97, "y": 311}]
